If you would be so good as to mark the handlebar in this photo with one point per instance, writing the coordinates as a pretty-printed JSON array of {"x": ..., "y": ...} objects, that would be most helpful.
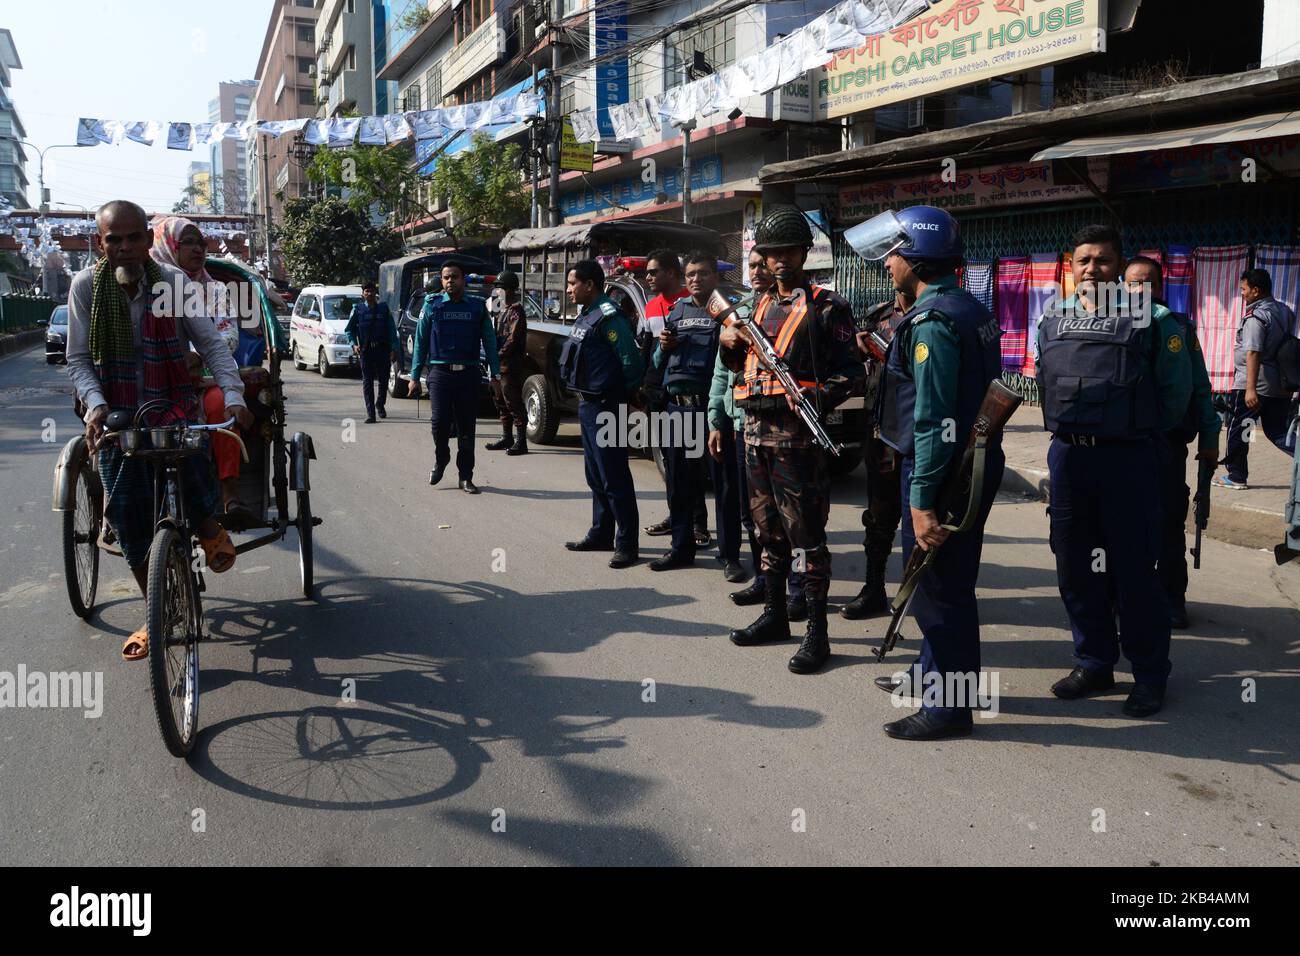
[{"x": 223, "y": 428}]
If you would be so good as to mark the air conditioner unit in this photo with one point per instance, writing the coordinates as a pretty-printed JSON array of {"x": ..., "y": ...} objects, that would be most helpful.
[{"x": 311, "y": 70}]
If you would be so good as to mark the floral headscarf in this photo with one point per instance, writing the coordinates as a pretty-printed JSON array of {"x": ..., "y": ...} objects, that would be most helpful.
[{"x": 167, "y": 231}]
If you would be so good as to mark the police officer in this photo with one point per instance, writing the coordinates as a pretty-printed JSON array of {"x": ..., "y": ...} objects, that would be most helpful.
[
  {"x": 940, "y": 362},
  {"x": 1143, "y": 276},
  {"x": 789, "y": 480},
  {"x": 373, "y": 336},
  {"x": 1113, "y": 377},
  {"x": 687, "y": 350},
  {"x": 600, "y": 361},
  {"x": 883, "y": 464},
  {"x": 512, "y": 343},
  {"x": 453, "y": 327}
]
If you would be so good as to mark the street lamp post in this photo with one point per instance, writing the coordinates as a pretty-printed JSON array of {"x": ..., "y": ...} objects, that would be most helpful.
[
  {"x": 90, "y": 241},
  {"x": 45, "y": 197}
]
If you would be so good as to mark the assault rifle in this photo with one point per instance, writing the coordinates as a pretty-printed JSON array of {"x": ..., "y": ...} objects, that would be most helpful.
[
  {"x": 738, "y": 313},
  {"x": 1204, "y": 472},
  {"x": 963, "y": 484}
]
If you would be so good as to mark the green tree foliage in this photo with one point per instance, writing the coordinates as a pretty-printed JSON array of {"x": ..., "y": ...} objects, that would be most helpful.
[
  {"x": 484, "y": 188},
  {"x": 329, "y": 241},
  {"x": 369, "y": 174}
]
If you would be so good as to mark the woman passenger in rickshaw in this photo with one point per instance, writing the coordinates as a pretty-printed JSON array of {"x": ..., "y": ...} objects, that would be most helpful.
[{"x": 178, "y": 242}]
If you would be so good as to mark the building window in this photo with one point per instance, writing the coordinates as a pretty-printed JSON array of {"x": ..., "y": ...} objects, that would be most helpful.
[
  {"x": 715, "y": 41},
  {"x": 352, "y": 57},
  {"x": 306, "y": 33},
  {"x": 470, "y": 16},
  {"x": 411, "y": 98},
  {"x": 304, "y": 3},
  {"x": 306, "y": 97},
  {"x": 568, "y": 97},
  {"x": 433, "y": 86},
  {"x": 304, "y": 65},
  {"x": 349, "y": 7}
]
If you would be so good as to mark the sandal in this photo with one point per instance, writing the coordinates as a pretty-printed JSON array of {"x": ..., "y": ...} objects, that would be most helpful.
[
  {"x": 138, "y": 640},
  {"x": 219, "y": 552}
]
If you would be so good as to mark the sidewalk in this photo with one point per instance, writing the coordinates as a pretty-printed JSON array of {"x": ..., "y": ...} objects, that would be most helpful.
[{"x": 1251, "y": 518}]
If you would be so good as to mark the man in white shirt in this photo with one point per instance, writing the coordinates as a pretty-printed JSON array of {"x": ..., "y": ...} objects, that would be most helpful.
[{"x": 111, "y": 373}]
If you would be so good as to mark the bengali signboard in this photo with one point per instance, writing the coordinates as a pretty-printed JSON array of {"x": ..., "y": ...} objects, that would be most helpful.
[
  {"x": 958, "y": 190},
  {"x": 575, "y": 155},
  {"x": 958, "y": 43},
  {"x": 706, "y": 173}
]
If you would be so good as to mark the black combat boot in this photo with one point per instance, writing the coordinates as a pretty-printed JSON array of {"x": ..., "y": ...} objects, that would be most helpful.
[
  {"x": 870, "y": 600},
  {"x": 816, "y": 646},
  {"x": 796, "y": 609},
  {"x": 520, "y": 447},
  {"x": 772, "y": 624},
  {"x": 503, "y": 441},
  {"x": 754, "y": 594}
]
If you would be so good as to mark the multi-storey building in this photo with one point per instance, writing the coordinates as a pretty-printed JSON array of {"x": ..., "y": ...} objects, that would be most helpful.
[
  {"x": 232, "y": 104},
  {"x": 13, "y": 161},
  {"x": 286, "y": 90},
  {"x": 199, "y": 177},
  {"x": 345, "y": 72}
]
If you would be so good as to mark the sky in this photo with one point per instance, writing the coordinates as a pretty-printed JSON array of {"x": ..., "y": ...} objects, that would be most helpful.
[{"x": 123, "y": 60}]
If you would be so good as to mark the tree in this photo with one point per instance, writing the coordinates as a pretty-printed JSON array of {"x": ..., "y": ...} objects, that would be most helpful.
[
  {"x": 370, "y": 174},
  {"x": 330, "y": 242},
  {"x": 484, "y": 188}
]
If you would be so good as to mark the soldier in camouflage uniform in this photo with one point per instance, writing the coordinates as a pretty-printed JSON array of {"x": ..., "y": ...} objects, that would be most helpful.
[{"x": 789, "y": 479}]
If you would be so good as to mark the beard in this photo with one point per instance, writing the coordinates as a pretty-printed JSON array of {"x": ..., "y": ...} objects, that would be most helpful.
[{"x": 128, "y": 275}]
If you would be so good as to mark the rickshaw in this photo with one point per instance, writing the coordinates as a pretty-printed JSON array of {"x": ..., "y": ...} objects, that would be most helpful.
[{"x": 272, "y": 468}]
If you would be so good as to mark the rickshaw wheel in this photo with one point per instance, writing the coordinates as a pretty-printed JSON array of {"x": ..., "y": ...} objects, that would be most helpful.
[
  {"x": 81, "y": 527},
  {"x": 305, "y": 567}
]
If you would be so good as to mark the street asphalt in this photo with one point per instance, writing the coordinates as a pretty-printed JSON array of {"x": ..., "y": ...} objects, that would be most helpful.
[{"x": 504, "y": 712}]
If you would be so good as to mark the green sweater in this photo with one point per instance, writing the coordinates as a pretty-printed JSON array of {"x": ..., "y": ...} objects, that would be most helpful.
[{"x": 722, "y": 402}]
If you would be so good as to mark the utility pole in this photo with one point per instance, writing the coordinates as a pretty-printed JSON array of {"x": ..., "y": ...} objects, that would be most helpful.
[
  {"x": 266, "y": 186},
  {"x": 554, "y": 123},
  {"x": 534, "y": 159},
  {"x": 686, "y": 169}
]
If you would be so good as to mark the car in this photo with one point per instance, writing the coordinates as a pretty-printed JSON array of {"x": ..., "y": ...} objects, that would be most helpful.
[
  {"x": 318, "y": 326},
  {"x": 56, "y": 337}
]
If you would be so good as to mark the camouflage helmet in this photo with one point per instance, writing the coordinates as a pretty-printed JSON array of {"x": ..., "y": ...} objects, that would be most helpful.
[{"x": 782, "y": 227}]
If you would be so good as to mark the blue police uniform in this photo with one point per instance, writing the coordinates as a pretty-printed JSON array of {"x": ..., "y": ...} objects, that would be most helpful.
[
  {"x": 450, "y": 337},
  {"x": 372, "y": 332},
  {"x": 946, "y": 347},
  {"x": 600, "y": 361},
  {"x": 688, "y": 373},
  {"x": 1110, "y": 384}
]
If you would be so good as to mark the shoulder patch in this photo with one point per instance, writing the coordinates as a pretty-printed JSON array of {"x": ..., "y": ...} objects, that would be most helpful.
[
  {"x": 921, "y": 317},
  {"x": 1175, "y": 344},
  {"x": 612, "y": 335},
  {"x": 922, "y": 352},
  {"x": 609, "y": 308}
]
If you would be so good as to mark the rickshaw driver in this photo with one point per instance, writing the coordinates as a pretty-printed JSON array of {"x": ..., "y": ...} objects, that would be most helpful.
[{"x": 123, "y": 352}]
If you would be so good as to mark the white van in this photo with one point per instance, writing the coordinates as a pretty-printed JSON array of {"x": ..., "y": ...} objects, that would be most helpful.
[{"x": 316, "y": 330}]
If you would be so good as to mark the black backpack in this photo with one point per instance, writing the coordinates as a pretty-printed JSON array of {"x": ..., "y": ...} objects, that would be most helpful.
[{"x": 1287, "y": 357}]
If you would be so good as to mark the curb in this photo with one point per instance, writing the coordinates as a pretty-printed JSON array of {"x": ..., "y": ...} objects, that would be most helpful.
[
  {"x": 21, "y": 341},
  {"x": 1232, "y": 524}
]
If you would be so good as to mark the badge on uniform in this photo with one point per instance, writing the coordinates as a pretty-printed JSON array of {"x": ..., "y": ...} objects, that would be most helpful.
[
  {"x": 1175, "y": 344},
  {"x": 612, "y": 335},
  {"x": 922, "y": 352}
]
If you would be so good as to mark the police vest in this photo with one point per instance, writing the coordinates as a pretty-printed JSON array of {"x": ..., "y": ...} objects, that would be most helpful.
[
  {"x": 1095, "y": 374},
  {"x": 589, "y": 363},
  {"x": 795, "y": 350},
  {"x": 372, "y": 325},
  {"x": 981, "y": 362},
  {"x": 692, "y": 361},
  {"x": 456, "y": 329}
]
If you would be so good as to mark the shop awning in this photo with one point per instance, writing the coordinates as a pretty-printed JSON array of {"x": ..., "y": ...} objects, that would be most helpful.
[{"x": 1266, "y": 126}]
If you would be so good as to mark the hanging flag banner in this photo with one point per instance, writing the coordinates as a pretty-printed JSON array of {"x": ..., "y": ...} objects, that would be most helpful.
[
  {"x": 180, "y": 136},
  {"x": 957, "y": 43}
]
